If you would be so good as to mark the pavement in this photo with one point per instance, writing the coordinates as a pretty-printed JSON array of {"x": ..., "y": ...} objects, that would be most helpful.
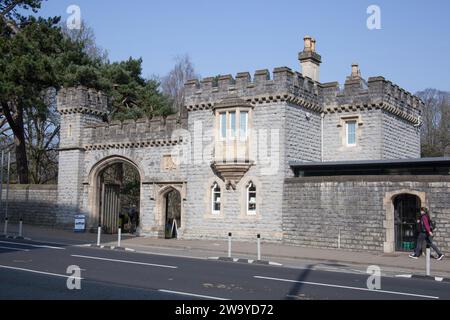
[{"x": 396, "y": 264}]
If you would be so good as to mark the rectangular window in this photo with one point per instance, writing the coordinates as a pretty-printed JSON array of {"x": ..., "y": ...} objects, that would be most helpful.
[
  {"x": 351, "y": 133},
  {"x": 223, "y": 125},
  {"x": 233, "y": 124},
  {"x": 243, "y": 126}
]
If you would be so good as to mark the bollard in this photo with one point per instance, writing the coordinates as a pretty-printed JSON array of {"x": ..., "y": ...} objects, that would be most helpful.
[
  {"x": 21, "y": 228},
  {"x": 119, "y": 237},
  {"x": 259, "y": 247},
  {"x": 339, "y": 239},
  {"x": 229, "y": 244},
  {"x": 428, "y": 261},
  {"x": 99, "y": 232},
  {"x": 5, "y": 229}
]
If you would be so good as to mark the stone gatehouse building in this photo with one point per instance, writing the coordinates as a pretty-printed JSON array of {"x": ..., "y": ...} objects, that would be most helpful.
[{"x": 278, "y": 154}]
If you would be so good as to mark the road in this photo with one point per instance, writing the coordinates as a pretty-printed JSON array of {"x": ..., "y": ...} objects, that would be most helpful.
[{"x": 38, "y": 270}]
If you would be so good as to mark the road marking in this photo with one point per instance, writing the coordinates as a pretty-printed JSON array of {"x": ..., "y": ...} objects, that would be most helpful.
[
  {"x": 346, "y": 287},
  {"x": 32, "y": 245},
  {"x": 192, "y": 295},
  {"x": 13, "y": 249},
  {"x": 40, "y": 272},
  {"x": 125, "y": 261}
]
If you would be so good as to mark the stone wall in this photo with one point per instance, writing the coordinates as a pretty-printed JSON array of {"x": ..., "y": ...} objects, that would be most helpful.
[
  {"x": 401, "y": 139},
  {"x": 316, "y": 208},
  {"x": 368, "y": 136},
  {"x": 35, "y": 204},
  {"x": 303, "y": 135}
]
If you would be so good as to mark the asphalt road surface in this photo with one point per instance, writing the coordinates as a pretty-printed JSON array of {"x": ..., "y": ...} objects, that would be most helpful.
[{"x": 38, "y": 270}]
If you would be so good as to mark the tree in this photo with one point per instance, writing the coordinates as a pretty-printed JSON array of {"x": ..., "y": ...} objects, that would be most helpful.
[
  {"x": 132, "y": 95},
  {"x": 37, "y": 58},
  {"x": 173, "y": 84},
  {"x": 435, "y": 119},
  {"x": 444, "y": 127},
  {"x": 26, "y": 69},
  {"x": 86, "y": 36}
]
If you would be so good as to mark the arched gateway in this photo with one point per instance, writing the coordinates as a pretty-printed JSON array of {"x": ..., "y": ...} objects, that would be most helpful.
[{"x": 114, "y": 194}]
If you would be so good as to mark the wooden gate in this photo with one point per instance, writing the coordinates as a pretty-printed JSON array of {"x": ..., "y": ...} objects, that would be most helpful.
[{"x": 110, "y": 208}]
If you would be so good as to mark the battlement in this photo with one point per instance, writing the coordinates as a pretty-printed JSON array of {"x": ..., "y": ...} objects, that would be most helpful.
[
  {"x": 82, "y": 100},
  {"x": 284, "y": 84},
  {"x": 157, "y": 131},
  {"x": 377, "y": 92}
]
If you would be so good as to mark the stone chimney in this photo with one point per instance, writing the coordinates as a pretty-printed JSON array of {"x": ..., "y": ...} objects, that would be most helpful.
[
  {"x": 356, "y": 73},
  {"x": 310, "y": 60}
]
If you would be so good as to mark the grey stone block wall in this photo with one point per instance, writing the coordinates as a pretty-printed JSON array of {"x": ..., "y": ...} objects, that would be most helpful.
[
  {"x": 70, "y": 185},
  {"x": 35, "y": 204},
  {"x": 315, "y": 209},
  {"x": 401, "y": 139},
  {"x": 303, "y": 135},
  {"x": 369, "y": 137}
]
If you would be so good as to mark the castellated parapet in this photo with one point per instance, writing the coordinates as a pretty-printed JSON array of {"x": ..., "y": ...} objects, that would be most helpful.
[
  {"x": 376, "y": 93},
  {"x": 290, "y": 86},
  {"x": 83, "y": 125},
  {"x": 82, "y": 100},
  {"x": 155, "y": 132},
  {"x": 285, "y": 85}
]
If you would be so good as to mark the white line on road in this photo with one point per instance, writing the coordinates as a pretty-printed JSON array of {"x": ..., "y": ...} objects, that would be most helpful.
[
  {"x": 40, "y": 272},
  {"x": 13, "y": 249},
  {"x": 346, "y": 287},
  {"x": 32, "y": 245},
  {"x": 192, "y": 295},
  {"x": 125, "y": 261}
]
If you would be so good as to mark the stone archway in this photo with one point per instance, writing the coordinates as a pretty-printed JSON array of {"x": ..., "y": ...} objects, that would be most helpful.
[
  {"x": 94, "y": 186},
  {"x": 161, "y": 208},
  {"x": 389, "y": 222}
]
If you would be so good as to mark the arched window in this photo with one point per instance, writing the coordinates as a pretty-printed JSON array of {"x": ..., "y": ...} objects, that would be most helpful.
[
  {"x": 251, "y": 199},
  {"x": 215, "y": 199}
]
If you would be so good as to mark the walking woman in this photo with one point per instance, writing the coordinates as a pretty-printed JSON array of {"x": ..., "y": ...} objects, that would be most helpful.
[{"x": 425, "y": 234}]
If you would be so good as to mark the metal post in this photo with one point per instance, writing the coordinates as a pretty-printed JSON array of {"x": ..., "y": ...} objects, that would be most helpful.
[
  {"x": 428, "y": 261},
  {"x": 229, "y": 244},
  {"x": 5, "y": 227},
  {"x": 119, "y": 237},
  {"x": 259, "y": 247},
  {"x": 7, "y": 185},
  {"x": 339, "y": 239},
  {"x": 20, "y": 228},
  {"x": 99, "y": 232}
]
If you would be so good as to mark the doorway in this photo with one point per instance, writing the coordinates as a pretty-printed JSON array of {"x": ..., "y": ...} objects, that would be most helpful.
[
  {"x": 172, "y": 209},
  {"x": 406, "y": 214},
  {"x": 119, "y": 198}
]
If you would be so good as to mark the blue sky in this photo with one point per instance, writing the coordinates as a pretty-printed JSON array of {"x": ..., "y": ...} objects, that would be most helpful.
[{"x": 412, "y": 49}]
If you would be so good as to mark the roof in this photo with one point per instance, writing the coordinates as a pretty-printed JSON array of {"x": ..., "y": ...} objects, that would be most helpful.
[{"x": 445, "y": 161}]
